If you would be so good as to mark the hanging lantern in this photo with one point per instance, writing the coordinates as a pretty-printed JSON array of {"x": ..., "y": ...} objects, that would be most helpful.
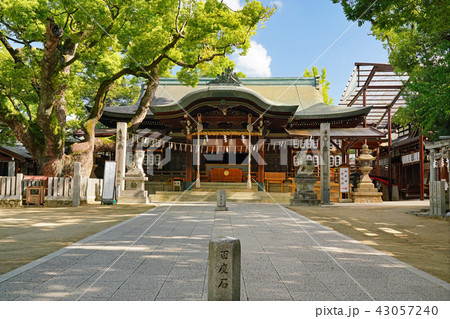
[{"x": 295, "y": 143}]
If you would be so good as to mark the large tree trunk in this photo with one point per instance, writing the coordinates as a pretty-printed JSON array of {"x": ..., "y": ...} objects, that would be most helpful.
[{"x": 51, "y": 115}]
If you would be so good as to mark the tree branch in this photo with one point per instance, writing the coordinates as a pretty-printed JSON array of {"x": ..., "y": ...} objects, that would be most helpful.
[
  {"x": 13, "y": 52},
  {"x": 199, "y": 60}
]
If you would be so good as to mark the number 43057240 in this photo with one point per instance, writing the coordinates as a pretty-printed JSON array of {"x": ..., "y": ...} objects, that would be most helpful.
[{"x": 407, "y": 310}]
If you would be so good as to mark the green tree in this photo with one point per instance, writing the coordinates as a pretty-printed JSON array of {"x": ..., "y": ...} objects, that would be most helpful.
[
  {"x": 56, "y": 57},
  {"x": 416, "y": 34},
  {"x": 323, "y": 81}
]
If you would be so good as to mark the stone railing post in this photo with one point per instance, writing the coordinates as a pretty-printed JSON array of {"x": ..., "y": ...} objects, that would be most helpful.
[{"x": 224, "y": 269}]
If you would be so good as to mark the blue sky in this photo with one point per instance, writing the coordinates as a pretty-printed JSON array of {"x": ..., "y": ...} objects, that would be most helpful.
[{"x": 299, "y": 32}]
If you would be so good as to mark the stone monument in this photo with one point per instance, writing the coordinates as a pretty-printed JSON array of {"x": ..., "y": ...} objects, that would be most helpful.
[
  {"x": 325, "y": 185},
  {"x": 224, "y": 269},
  {"x": 121, "y": 152},
  {"x": 135, "y": 179},
  {"x": 304, "y": 183},
  {"x": 221, "y": 201},
  {"x": 366, "y": 191}
]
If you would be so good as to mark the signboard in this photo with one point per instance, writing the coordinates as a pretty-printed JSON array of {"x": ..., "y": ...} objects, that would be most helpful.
[
  {"x": 109, "y": 183},
  {"x": 344, "y": 179},
  {"x": 411, "y": 158}
]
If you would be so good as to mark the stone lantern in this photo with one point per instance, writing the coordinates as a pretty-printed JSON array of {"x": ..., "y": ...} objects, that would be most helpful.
[{"x": 366, "y": 191}]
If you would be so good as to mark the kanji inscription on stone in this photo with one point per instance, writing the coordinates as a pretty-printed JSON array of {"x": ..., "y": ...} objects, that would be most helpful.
[{"x": 224, "y": 269}]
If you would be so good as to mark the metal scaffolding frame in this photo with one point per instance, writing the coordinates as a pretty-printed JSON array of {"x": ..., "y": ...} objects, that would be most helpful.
[{"x": 376, "y": 85}]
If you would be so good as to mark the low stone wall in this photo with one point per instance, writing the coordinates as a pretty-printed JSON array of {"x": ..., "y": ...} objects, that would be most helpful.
[
  {"x": 10, "y": 203},
  {"x": 58, "y": 203}
]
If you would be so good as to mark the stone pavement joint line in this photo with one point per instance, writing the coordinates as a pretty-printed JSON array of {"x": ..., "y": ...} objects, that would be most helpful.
[
  {"x": 162, "y": 255},
  {"x": 315, "y": 241},
  {"x": 142, "y": 234}
]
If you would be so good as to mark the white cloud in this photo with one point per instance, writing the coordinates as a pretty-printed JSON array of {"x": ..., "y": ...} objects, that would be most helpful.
[
  {"x": 256, "y": 63},
  {"x": 234, "y": 4},
  {"x": 277, "y": 3}
]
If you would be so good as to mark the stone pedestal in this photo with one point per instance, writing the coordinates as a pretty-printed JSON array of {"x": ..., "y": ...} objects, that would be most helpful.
[
  {"x": 135, "y": 179},
  {"x": 366, "y": 191},
  {"x": 304, "y": 191},
  {"x": 134, "y": 192},
  {"x": 304, "y": 183}
]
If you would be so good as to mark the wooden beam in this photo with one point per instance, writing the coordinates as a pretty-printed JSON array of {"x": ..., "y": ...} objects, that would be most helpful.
[
  {"x": 366, "y": 84},
  {"x": 384, "y": 87},
  {"x": 389, "y": 106},
  {"x": 188, "y": 158},
  {"x": 422, "y": 168}
]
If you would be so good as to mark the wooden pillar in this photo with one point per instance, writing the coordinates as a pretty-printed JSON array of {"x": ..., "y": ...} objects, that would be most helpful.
[
  {"x": 189, "y": 158},
  {"x": 390, "y": 155},
  {"x": 422, "y": 169},
  {"x": 261, "y": 165},
  {"x": 378, "y": 160}
]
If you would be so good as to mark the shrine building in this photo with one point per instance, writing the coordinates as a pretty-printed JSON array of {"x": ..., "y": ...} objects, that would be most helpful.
[{"x": 207, "y": 128}]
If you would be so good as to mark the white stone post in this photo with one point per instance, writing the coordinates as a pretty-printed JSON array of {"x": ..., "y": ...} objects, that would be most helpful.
[
  {"x": 121, "y": 156},
  {"x": 325, "y": 163},
  {"x": 19, "y": 188},
  {"x": 76, "y": 184}
]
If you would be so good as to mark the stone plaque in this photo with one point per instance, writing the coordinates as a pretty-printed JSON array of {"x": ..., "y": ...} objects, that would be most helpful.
[
  {"x": 109, "y": 183},
  {"x": 224, "y": 269}
]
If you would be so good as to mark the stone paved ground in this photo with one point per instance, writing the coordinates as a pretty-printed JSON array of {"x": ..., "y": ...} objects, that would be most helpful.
[{"x": 162, "y": 255}]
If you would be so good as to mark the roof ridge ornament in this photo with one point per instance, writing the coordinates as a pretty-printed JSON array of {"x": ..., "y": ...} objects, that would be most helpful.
[{"x": 228, "y": 77}]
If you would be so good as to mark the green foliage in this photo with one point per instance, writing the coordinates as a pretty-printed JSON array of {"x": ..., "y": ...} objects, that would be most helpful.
[
  {"x": 322, "y": 80},
  {"x": 105, "y": 49},
  {"x": 416, "y": 34}
]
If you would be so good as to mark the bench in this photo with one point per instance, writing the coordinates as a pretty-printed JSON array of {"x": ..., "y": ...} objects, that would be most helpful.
[{"x": 274, "y": 177}]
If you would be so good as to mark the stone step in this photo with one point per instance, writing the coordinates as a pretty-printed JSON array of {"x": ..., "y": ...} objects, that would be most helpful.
[
  {"x": 211, "y": 196},
  {"x": 210, "y": 186}
]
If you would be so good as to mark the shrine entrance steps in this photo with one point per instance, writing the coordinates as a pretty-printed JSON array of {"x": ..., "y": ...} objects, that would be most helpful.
[{"x": 236, "y": 192}]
